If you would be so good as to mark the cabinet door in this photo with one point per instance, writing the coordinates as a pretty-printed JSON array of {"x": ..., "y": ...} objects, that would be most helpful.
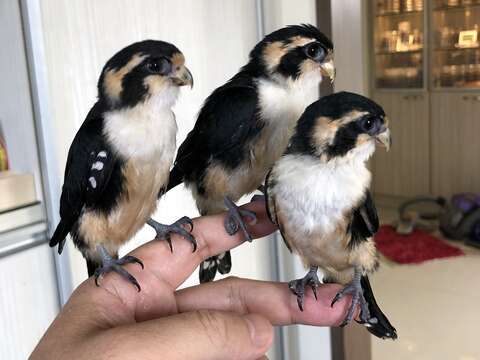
[
  {"x": 404, "y": 171},
  {"x": 455, "y": 143}
]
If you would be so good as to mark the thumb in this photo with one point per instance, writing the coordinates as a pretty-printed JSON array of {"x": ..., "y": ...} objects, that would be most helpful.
[{"x": 199, "y": 335}]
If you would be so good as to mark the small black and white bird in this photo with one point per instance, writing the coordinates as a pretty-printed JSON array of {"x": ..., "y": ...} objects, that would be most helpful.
[
  {"x": 318, "y": 195},
  {"x": 244, "y": 126},
  {"x": 120, "y": 158}
]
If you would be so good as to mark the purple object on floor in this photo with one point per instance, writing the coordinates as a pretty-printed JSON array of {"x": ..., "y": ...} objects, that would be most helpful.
[{"x": 466, "y": 202}]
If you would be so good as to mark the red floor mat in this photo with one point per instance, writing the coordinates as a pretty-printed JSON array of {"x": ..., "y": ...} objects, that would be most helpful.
[{"x": 415, "y": 248}]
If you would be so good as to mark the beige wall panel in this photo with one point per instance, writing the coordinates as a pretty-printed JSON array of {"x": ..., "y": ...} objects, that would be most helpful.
[
  {"x": 405, "y": 169},
  {"x": 455, "y": 143}
]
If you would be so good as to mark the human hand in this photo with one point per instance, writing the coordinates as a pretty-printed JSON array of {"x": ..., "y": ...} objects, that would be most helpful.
[{"x": 226, "y": 319}]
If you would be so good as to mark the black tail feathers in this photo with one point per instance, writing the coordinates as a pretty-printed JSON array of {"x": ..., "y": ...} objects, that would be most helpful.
[
  {"x": 221, "y": 263},
  {"x": 59, "y": 236},
  {"x": 378, "y": 324},
  {"x": 175, "y": 178},
  {"x": 91, "y": 267}
]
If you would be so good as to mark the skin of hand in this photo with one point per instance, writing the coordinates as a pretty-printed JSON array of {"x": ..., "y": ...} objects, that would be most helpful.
[{"x": 227, "y": 319}]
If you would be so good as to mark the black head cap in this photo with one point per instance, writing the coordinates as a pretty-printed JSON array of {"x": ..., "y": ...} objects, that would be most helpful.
[
  {"x": 336, "y": 124},
  {"x": 139, "y": 70},
  {"x": 285, "y": 51}
]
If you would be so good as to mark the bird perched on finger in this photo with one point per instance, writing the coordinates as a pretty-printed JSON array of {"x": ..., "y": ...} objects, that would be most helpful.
[
  {"x": 244, "y": 126},
  {"x": 318, "y": 195},
  {"x": 120, "y": 158}
]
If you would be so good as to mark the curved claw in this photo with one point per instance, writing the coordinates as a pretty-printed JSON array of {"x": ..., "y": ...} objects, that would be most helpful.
[
  {"x": 186, "y": 221},
  {"x": 181, "y": 231},
  {"x": 128, "y": 259},
  {"x": 336, "y": 298},
  {"x": 165, "y": 231},
  {"x": 116, "y": 266}
]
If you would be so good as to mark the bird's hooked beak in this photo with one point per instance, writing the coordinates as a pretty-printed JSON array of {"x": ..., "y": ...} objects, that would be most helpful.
[
  {"x": 328, "y": 69},
  {"x": 384, "y": 138},
  {"x": 182, "y": 77}
]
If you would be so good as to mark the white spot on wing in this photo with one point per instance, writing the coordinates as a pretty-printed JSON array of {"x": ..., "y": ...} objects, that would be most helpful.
[
  {"x": 98, "y": 165},
  {"x": 102, "y": 154},
  {"x": 93, "y": 182}
]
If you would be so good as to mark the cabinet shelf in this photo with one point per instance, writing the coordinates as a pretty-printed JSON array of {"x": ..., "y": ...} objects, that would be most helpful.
[
  {"x": 401, "y": 13},
  {"x": 456, "y": 8},
  {"x": 399, "y": 52},
  {"x": 457, "y": 48}
]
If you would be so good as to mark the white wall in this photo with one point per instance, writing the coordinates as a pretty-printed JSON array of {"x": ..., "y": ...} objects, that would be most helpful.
[
  {"x": 349, "y": 23},
  {"x": 80, "y": 36}
]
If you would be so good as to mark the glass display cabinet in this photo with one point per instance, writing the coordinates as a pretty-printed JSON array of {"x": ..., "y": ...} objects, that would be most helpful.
[
  {"x": 398, "y": 43},
  {"x": 425, "y": 61},
  {"x": 405, "y": 32},
  {"x": 456, "y": 51}
]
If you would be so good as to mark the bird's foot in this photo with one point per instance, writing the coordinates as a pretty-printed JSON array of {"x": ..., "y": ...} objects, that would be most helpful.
[
  {"x": 354, "y": 288},
  {"x": 298, "y": 286},
  {"x": 234, "y": 220},
  {"x": 178, "y": 227},
  {"x": 110, "y": 264}
]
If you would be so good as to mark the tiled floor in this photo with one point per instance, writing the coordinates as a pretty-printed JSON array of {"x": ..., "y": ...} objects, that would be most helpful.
[{"x": 435, "y": 307}]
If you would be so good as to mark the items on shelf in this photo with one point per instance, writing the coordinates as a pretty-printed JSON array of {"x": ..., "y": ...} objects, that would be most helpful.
[
  {"x": 385, "y": 7},
  {"x": 451, "y": 38},
  {"x": 440, "y": 4},
  {"x": 402, "y": 40}
]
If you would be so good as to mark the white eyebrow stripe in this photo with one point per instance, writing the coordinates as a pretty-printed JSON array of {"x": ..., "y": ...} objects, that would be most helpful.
[
  {"x": 98, "y": 165},
  {"x": 93, "y": 182},
  {"x": 102, "y": 154}
]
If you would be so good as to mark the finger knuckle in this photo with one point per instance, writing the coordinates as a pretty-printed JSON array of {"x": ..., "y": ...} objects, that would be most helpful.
[
  {"x": 215, "y": 327},
  {"x": 235, "y": 295}
]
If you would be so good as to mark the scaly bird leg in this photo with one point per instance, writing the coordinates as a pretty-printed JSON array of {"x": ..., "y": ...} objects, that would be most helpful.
[
  {"x": 109, "y": 263},
  {"x": 354, "y": 288},
  {"x": 298, "y": 286},
  {"x": 165, "y": 231},
  {"x": 234, "y": 219}
]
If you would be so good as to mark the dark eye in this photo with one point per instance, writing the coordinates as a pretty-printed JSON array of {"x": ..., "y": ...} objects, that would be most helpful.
[
  {"x": 368, "y": 123},
  {"x": 160, "y": 66},
  {"x": 315, "y": 51}
]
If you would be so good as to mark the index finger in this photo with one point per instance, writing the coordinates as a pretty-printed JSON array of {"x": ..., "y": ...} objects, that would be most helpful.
[{"x": 209, "y": 231}]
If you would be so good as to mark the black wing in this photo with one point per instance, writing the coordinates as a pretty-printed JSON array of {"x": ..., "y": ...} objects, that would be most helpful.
[
  {"x": 90, "y": 164},
  {"x": 365, "y": 221},
  {"x": 226, "y": 123}
]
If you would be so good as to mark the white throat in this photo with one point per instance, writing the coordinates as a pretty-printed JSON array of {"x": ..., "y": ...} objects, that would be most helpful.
[{"x": 146, "y": 131}]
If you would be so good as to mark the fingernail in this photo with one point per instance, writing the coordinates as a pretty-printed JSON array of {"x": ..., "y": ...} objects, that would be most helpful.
[{"x": 260, "y": 330}]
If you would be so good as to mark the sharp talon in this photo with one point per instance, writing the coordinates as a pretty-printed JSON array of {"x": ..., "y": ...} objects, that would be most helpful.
[
  {"x": 110, "y": 264},
  {"x": 300, "y": 303},
  {"x": 335, "y": 299},
  {"x": 234, "y": 220},
  {"x": 165, "y": 231},
  {"x": 298, "y": 287},
  {"x": 130, "y": 260},
  {"x": 355, "y": 289}
]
